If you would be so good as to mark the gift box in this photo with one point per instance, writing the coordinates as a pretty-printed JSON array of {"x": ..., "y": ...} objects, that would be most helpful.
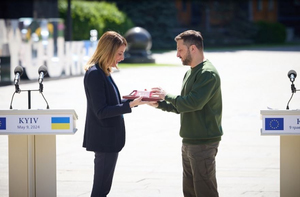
[{"x": 147, "y": 95}]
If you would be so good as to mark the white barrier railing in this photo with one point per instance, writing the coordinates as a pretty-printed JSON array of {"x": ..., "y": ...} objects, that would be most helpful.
[{"x": 31, "y": 43}]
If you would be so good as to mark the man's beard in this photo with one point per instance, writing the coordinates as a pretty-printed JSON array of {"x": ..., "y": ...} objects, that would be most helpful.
[{"x": 187, "y": 60}]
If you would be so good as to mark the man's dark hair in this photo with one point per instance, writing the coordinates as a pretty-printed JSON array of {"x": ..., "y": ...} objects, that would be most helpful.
[{"x": 191, "y": 37}]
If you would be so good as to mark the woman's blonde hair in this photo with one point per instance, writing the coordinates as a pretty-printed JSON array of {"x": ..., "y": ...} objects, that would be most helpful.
[{"x": 106, "y": 50}]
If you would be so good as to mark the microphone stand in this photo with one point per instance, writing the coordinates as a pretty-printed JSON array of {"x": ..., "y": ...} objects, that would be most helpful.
[
  {"x": 293, "y": 88},
  {"x": 17, "y": 88},
  {"x": 29, "y": 96},
  {"x": 41, "y": 91}
]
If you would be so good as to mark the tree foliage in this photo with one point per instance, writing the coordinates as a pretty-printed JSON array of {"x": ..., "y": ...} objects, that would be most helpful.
[
  {"x": 221, "y": 23},
  {"x": 269, "y": 33},
  {"x": 101, "y": 16},
  {"x": 159, "y": 18}
]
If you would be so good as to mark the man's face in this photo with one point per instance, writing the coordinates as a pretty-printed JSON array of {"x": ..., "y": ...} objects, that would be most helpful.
[{"x": 183, "y": 53}]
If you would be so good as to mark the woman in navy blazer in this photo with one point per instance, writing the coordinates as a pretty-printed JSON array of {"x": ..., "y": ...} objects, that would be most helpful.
[{"x": 104, "y": 131}]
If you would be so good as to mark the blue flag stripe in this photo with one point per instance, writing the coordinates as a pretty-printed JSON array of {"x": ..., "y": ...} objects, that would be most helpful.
[{"x": 60, "y": 120}]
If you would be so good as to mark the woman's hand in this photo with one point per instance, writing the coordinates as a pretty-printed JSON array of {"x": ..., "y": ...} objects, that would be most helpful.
[{"x": 139, "y": 101}]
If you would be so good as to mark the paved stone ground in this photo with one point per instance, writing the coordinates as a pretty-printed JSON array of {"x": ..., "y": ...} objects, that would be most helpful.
[{"x": 150, "y": 163}]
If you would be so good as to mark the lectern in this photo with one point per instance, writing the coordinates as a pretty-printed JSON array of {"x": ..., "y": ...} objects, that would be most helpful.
[
  {"x": 32, "y": 148},
  {"x": 286, "y": 124}
]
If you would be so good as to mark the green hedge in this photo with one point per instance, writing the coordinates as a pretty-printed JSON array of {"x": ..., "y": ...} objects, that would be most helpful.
[
  {"x": 270, "y": 33},
  {"x": 159, "y": 18},
  {"x": 101, "y": 16}
]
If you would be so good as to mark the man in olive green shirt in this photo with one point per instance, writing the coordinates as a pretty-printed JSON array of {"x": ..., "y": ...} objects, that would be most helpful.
[{"x": 200, "y": 109}]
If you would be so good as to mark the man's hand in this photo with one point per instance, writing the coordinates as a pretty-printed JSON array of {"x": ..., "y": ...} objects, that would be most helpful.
[
  {"x": 157, "y": 91},
  {"x": 153, "y": 104}
]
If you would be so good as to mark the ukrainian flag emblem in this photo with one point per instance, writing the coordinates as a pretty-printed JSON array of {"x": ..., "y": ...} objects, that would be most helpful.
[{"x": 60, "y": 123}]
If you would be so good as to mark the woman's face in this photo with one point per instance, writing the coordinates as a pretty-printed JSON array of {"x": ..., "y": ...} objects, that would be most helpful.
[{"x": 119, "y": 55}]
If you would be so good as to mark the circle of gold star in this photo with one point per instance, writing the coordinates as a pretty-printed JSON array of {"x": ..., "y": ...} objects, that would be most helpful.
[{"x": 276, "y": 122}]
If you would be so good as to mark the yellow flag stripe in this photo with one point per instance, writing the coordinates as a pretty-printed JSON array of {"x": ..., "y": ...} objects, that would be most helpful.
[{"x": 58, "y": 126}]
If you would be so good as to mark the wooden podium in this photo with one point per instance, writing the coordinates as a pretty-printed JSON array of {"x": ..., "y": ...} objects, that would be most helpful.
[
  {"x": 32, "y": 148},
  {"x": 286, "y": 124}
]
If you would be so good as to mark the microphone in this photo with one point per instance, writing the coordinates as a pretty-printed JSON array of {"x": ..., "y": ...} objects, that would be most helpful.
[
  {"x": 292, "y": 75},
  {"x": 42, "y": 73},
  {"x": 18, "y": 74}
]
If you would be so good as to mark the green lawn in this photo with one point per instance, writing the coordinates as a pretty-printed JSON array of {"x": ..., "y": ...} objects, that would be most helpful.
[{"x": 128, "y": 65}]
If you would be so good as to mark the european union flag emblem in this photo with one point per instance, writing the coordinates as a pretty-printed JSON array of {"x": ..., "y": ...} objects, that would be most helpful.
[
  {"x": 2, "y": 123},
  {"x": 274, "y": 124}
]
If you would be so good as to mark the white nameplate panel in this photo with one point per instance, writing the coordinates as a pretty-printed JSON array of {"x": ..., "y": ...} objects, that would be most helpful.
[
  {"x": 37, "y": 122},
  {"x": 280, "y": 122}
]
